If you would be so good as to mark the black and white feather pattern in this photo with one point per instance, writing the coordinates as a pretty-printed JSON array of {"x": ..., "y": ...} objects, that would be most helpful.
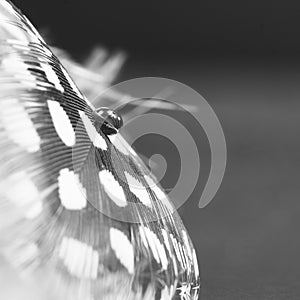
[{"x": 59, "y": 173}]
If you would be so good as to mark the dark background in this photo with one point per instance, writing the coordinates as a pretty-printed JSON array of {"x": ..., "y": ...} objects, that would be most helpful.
[
  {"x": 182, "y": 28},
  {"x": 243, "y": 57}
]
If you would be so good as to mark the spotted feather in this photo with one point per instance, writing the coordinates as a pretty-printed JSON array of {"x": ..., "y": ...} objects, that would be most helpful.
[{"x": 79, "y": 203}]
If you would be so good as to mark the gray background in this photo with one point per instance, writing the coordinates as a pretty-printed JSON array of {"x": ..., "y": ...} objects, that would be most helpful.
[
  {"x": 248, "y": 237},
  {"x": 243, "y": 58}
]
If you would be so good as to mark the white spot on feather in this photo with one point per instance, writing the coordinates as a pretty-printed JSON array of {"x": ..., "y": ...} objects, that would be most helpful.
[
  {"x": 166, "y": 240},
  {"x": 17, "y": 69},
  {"x": 52, "y": 77},
  {"x": 178, "y": 251},
  {"x": 80, "y": 259},
  {"x": 123, "y": 248},
  {"x": 97, "y": 140},
  {"x": 71, "y": 82},
  {"x": 151, "y": 240},
  {"x": 28, "y": 255},
  {"x": 112, "y": 188},
  {"x": 187, "y": 244},
  {"x": 71, "y": 192},
  {"x": 34, "y": 211},
  {"x": 183, "y": 256},
  {"x": 18, "y": 125},
  {"x": 22, "y": 192},
  {"x": 12, "y": 63},
  {"x": 62, "y": 123},
  {"x": 195, "y": 261},
  {"x": 118, "y": 142},
  {"x": 138, "y": 189},
  {"x": 166, "y": 294}
]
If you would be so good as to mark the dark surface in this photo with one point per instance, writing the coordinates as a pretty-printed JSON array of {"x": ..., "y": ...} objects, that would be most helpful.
[{"x": 169, "y": 27}]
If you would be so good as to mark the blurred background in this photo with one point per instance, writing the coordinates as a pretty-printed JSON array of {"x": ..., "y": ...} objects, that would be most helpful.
[{"x": 243, "y": 58}]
